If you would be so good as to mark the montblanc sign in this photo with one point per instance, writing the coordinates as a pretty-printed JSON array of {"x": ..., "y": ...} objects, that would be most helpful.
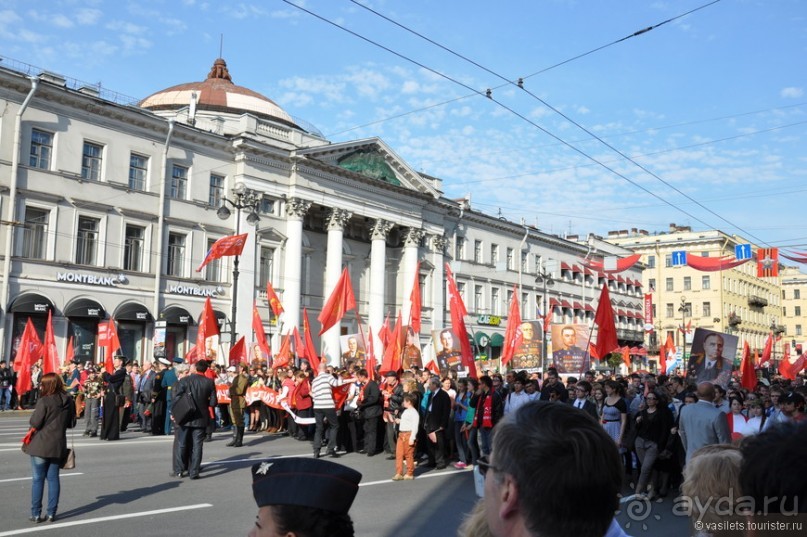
[
  {"x": 179, "y": 289},
  {"x": 89, "y": 279}
]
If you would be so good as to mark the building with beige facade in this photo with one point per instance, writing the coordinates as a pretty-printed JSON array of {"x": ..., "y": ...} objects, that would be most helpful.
[
  {"x": 110, "y": 204},
  {"x": 794, "y": 306},
  {"x": 734, "y": 301}
]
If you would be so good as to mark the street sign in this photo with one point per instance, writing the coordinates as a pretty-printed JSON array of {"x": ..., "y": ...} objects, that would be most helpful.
[
  {"x": 742, "y": 251},
  {"x": 679, "y": 258}
]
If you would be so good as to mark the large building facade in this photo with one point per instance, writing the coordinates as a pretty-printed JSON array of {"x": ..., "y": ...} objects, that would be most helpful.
[
  {"x": 732, "y": 301},
  {"x": 794, "y": 306},
  {"x": 109, "y": 206}
]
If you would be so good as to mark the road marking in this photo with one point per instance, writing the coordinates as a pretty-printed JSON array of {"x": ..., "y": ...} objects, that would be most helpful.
[
  {"x": 102, "y": 443},
  {"x": 59, "y": 525},
  {"x": 29, "y": 478},
  {"x": 424, "y": 476}
]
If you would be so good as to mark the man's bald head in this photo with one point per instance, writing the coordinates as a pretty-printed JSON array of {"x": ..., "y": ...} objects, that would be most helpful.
[{"x": 706, "y": 391}]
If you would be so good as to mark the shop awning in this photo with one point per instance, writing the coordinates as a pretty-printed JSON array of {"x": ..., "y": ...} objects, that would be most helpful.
[
  {"x": 132, "y": 311},
  {"x": 85, "y": 308},
  {"x": 177, "y": 315},
  {"x": 566, "y": 304},
  {"x": 565, "y": 266},
  {"x": 578, "y": 306},
  {"x": 481, "y": 339},
  {"x": 589, "y": 307},
  {"x": 31, "y": 303},
  {"x": 496, "y": 340}
]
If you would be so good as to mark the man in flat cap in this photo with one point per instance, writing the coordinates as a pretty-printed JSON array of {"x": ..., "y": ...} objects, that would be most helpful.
[{"x": 301, "y": 496}]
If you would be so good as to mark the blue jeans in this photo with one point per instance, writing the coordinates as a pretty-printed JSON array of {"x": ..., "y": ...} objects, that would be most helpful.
[
  {"x": 5, "y": 398},
  {"x": 41, "y": 469},
  {"x": 484, "y": 437}
]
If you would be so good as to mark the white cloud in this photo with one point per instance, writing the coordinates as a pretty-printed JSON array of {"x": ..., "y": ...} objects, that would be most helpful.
[
  {"x": 88, "y": 17},
  {"x": 61, "y": 21},
  {"x": 792, "y": 92},
  {"x": 126, "y": 27}
]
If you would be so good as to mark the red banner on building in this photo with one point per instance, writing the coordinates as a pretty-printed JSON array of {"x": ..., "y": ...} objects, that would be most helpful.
[{"x": 648, "y": 311}]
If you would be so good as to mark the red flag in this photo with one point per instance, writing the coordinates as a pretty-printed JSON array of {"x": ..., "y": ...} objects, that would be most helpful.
[
  {"x": 310, "y": 349},
  {"x": 626, "y": 356},
  {"x": 225, "y": 246},
  {"x": 340, "y": 301},
  {"x": 667, "y": 351},
  {"x": 340, "y": 394},
  {"x": 370, "y": 363},
  {"x": 604, "y": 319},
  {"x": 274, "y": 301},
  {"x": 766, "y": 352},
  {"x": 299, "y": 346},
  {"x": 748, "y": 377},
  {"x": 113, "y": 345},
  {"x": 208, "y": 328},
  {"x": 385, "y": 333},
  {"x": 283, "y": 356},
  {"x": 28, "y": 353},
  {"x": 238, "y": 352},
  {"x": 790, "y": 370},
  {"x": 458, "y": 313},
  {"x": 260, "y": 335},
  {"x": 70, "y": 353},
  {"x": 50, "y": 355},
  {"x": 414, "y": 299},
  {"x": 190, "y": 356},
  {"x": 512, "y": 335},
  {"x": 392, "y": 353},
  {"x": 767, "y": 262}
]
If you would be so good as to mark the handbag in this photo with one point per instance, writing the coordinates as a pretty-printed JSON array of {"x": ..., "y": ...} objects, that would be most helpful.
[
  {"x": 184, "y": 409},
  {"x": 26, "y": 440}
]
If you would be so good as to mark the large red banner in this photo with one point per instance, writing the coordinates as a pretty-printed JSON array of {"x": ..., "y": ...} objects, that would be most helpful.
[
  {"x": 269, "y": 396},
  {"x": 648, "y": 310}
]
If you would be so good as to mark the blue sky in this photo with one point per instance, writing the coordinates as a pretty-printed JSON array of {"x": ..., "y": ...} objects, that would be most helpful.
[{"x": 712, "y": 103}]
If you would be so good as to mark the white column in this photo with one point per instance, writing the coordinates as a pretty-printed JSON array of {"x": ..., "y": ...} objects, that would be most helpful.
[
  {"x": 378, "y": 261},
  {"x": 293, "y": 260},
  {"x": 337, "y": 218},
  {"x": 247, "y": 274},
  {"x": 410, "y": 263},
  {"x": 438, "y": 244}
]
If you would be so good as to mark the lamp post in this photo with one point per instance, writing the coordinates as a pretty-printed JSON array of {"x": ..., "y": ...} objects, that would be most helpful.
[
  {"x": 684, "y": 309},
  {"x": 545, "y": 279},
  {"x": 243, "y": 198}
]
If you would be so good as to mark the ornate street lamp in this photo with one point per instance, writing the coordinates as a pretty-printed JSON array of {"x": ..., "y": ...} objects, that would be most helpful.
[
  {"x": 545, "y": 278},
  {"x": 243, "y": 198},
  {"x": 684, "y": 309}
]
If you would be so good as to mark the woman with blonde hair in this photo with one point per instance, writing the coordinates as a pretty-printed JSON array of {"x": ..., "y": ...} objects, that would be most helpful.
[
  {"x": 55, "y": 412},
  {"x": 711, "y": 489}
]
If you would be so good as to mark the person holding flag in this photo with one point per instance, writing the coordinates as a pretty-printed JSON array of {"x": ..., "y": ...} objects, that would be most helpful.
[{"x": 113, "y": 398}]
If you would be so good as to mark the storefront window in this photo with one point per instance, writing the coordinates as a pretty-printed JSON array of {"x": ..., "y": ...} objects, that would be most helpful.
[
  {"x": 131, "y": 337},
  {"x": 176, "y": 337},
  {"x": 84, "y": 333}
]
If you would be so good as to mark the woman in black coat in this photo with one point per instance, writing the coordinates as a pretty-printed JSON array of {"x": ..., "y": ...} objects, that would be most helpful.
[
  {"x": 55, "y": 412},
  {"x": 113, "y": 383}
]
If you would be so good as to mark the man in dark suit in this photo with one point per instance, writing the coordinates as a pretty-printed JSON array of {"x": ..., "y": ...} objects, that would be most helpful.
[
  {"x": 701, "y": 424},
  {"x": 438, "y": 413},
  {"x": 203, "y": 392},
  {"x": 582, "y": 390},
  {"x": 370, "y": 406},
  {"x": 144, "y": 387}
]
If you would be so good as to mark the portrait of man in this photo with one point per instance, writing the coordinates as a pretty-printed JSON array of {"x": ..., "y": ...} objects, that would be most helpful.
[
  {"x": 353, "y": 350},
  {"x": 412, "y": 355},
  {"x": 449, "y": 355},
  {"x": 567, "y": 355},
  {"x": 528, "y": 354},
  {"x": 712, "y": 357}
]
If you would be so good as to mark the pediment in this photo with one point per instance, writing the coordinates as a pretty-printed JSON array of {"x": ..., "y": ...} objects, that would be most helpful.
[{"x": 373, "y": 159}]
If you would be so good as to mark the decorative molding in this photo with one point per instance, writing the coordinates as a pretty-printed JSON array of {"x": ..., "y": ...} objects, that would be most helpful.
[
  {"x": 337, "y": 218},
  {"x": 296, "y": 207},
  {"x": 412, "y": 237},
  {"x": 380, "y": 228},
  {"x": 439, "y": 243}
]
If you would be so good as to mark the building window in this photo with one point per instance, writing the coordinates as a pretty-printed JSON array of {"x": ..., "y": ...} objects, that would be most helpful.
[
  {"x": 216, "y": 190},
  {"x": 133, "y": 248},
  {"x": 87, "y": 240},
  {"x": 668, "y": 283},
  {"x": 34, "y": 233},
  {"x": 477, "y": 251},
  {"x": 138, "y": 167},
  {"x": 651, "y": 284},
  {"x": 796, "y": 294},
  {"x": 524, "y": 298},
  {"x": 460, "y": 248},
  {"x": 213, "y": 269},
  {"x": 461, "y": 290},
  {"x": 687, "y": 283},
  {"x": 509, "y": 298},
  {"x": 707, "y": 309},
  {"x": 523, "y": 261},
  {"x": 670, "y": 311},
  {"x": 478, "y": 303},
  {"x": 496, "y": 306},
  {"x": 41, "y": 149},
  {"x": 797, "y": 311},
  {"x": 266, "y": 206},
  {"x": 668, "y": 260},
  {"x": 706, "y": 282},
  {"x": 784, "y": 311},
  {"x": 176, "y": 255},
  {"x": 494, "y": 253},
  {"x": 651, "y": 261},
  {"x": 267, "y": 265},
  {"x": 179, "y": 182},
  {"x": 510, "y": 259},
  {"x": 798, "y": 329},
  {"x": 91, "y": 161},
  {"x": 654, "y": 311}
]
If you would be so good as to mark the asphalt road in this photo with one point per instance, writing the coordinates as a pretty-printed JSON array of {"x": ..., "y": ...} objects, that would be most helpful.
[{"x": 123, "y": 489}]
